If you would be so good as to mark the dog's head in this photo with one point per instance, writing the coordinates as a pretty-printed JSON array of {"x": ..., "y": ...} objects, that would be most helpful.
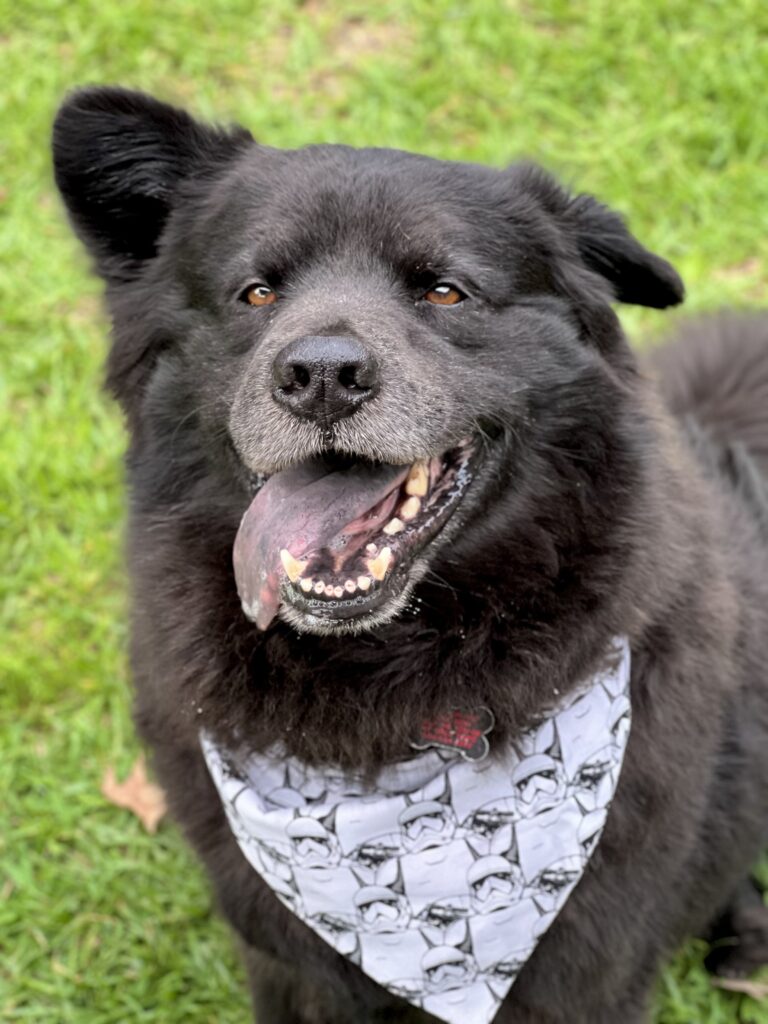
[{"x": 376, "y": 350}]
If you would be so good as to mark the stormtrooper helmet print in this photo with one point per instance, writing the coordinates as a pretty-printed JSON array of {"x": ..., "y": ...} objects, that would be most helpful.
[{"x": 439, "y": 877}]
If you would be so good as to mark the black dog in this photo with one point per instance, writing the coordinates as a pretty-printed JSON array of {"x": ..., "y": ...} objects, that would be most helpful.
[{"x": 464, "y": 486}]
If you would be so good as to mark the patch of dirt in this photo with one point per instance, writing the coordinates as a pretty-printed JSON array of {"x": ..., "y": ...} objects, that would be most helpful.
[
  {"x": 357, "y": 39},
  {"x": 86, "y": 309},
  {"x": 748, "y": 268},
  {"x": 751, "y": 271},
  {"x": 348, "y": 43}
]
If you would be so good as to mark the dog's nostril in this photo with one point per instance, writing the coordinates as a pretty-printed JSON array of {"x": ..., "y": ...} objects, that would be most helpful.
[
  {"x": 351, "y": 377},
  {"x": 289, "y": 377},
  {"x": 301, "y": 375}
]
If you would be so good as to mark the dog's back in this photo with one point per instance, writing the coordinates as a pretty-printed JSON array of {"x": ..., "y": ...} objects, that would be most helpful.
[
  {"x": 714, "y": 377},
  {"x": 717, "y": 372}
]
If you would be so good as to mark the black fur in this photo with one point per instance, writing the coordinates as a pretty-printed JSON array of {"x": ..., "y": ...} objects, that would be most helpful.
[{"x": 595, "y": 513}]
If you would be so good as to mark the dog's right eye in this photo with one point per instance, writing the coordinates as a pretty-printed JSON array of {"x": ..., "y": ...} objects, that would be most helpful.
[
  {"x": 259, "y": 295},
  {"x": 444, "y": 294}
]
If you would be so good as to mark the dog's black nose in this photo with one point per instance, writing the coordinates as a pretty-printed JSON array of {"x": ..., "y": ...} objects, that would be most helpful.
[{"x": 324, "y": 378}]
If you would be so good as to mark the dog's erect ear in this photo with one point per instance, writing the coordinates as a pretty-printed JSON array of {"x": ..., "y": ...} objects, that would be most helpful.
[
  {"x": 119, "y": 157},
  {"x": 603, "y": 243},
  {"x": 606, "y": 246}
]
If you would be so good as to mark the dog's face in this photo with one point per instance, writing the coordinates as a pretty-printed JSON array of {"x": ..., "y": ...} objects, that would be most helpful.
[{"x": 386, "y": 355}]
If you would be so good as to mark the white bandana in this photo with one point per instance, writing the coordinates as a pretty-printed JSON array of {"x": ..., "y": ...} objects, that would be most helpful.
[{"x": 439, "y": 880}]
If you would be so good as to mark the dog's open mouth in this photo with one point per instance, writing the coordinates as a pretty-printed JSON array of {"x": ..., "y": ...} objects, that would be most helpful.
[{"x": 335, "y": 538}]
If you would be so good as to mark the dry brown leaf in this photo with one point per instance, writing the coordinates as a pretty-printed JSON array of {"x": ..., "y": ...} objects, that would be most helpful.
[
  {"x": 757, "y": 990},
  {"x": 137, "y": 794}
]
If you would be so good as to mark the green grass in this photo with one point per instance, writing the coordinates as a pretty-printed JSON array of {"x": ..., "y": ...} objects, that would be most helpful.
[{"x": 656, "y": 105}]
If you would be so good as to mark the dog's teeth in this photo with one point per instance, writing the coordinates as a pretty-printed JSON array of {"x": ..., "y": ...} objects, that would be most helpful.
[
  {"x": 410, "y": 508},
  {"x": 378, "y": 566},
  {"x": 293, "y": 567},
  {"x": 364, "y": 582},
  {"x": 329, "y": 590},
  {"x": 306, "y": 585},
  {"x": 418, "y": 480},
  {"x": 371, "y": 549},
  {"x": 394, "y": 526},
  {"x": 319, "y": 587},
  {"x": 350, "y": 586},
  {"x": 338, "y": 591}
]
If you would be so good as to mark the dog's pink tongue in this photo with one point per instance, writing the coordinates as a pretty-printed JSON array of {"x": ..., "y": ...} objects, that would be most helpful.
[{"x": 304, "y": 510}]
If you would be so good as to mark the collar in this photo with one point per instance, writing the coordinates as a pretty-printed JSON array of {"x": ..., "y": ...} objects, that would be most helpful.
[{"x": 438, "y": 879}]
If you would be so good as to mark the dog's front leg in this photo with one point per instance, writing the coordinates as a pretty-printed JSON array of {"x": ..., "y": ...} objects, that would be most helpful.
[{"x": 282, "y": 994}]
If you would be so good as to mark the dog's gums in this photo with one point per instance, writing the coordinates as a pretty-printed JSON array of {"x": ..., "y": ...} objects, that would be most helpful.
[{"x": 309, "y": 543}]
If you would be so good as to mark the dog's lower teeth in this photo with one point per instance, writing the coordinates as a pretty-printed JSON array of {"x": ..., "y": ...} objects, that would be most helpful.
[
  {"x": 338, "y": 590},
  {"x": 378, "y": 559},
  {"x": 378, "y": 566},
  {"x": 410, "y": 508},
  {"x": 293, "y": 567}
]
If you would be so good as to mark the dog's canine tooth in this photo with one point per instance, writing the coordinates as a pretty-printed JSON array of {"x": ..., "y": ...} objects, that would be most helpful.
[
  {"x": 306, "y": 585},
  {"x": 378, "y": 566},
  {"x": 410, "y": 508},
  {"x": 320, "y": 587},
  {"x": 364, "y": 582},
  {"x": 394, "y": 526},
  {"x": 293, "y": 567},
  {"x": 350, "y": 586},
  {"x": 417, "y": 483}
]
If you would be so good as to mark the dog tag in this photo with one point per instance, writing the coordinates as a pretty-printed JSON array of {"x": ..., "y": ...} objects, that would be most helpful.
[{"x": 462, "y": 731}]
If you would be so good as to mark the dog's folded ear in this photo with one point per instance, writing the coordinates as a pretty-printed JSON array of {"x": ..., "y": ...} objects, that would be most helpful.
[
  {"x": 119, "y": 157},
  {"x": 603, "y": 243},
  {"x": 607, "y": 247}
]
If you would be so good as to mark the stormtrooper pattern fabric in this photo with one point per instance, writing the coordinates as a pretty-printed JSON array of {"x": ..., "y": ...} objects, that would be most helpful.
[{"x": 439, "y": 880}]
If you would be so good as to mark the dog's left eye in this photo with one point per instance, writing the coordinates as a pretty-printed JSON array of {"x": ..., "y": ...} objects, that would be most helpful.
[
  {"x": 259, "y": 295},
  {"x": 444, "y": 294}
]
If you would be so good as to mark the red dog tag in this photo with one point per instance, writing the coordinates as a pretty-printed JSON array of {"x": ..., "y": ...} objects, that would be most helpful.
[{"x": 462, "y": 731}]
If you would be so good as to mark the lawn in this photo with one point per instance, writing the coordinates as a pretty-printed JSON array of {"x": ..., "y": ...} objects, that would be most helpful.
[{"x": 658, "y": 106}]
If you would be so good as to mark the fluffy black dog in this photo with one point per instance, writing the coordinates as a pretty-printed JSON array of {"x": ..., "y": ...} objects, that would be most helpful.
[{"x": 295, "y": 324}]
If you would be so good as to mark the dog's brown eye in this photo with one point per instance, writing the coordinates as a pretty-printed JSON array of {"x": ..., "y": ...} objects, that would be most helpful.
[
  {"x": 444, "y": 295},
  {"x": 260, "y": 295}
]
